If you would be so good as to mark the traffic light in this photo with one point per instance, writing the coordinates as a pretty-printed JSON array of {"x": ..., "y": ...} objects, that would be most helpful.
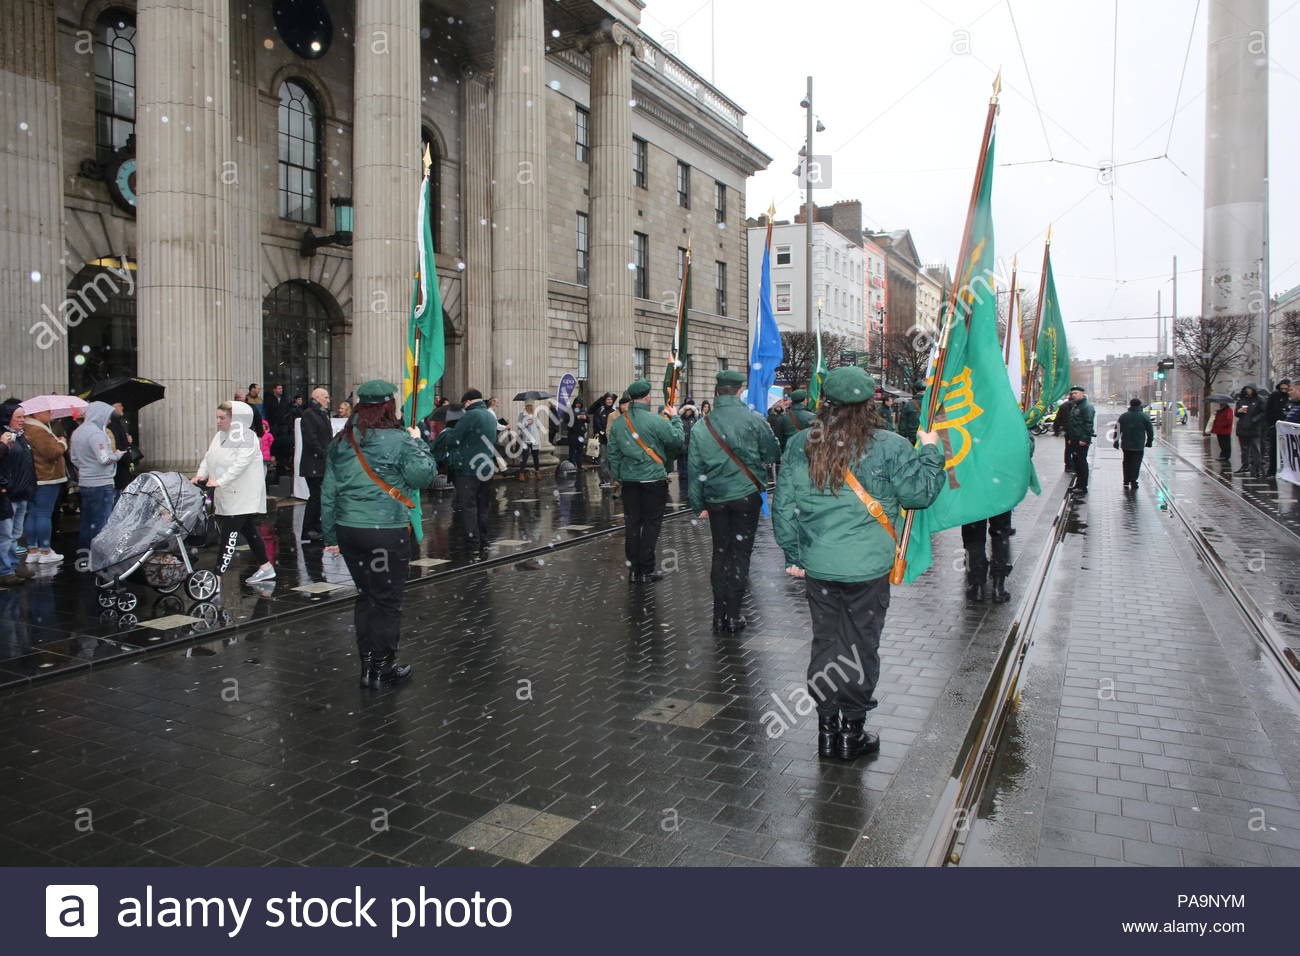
[{"x": 1163, "y": 367}]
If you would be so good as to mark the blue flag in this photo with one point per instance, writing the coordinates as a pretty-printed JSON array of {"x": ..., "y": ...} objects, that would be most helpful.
[{"x": 766, "y": 353}]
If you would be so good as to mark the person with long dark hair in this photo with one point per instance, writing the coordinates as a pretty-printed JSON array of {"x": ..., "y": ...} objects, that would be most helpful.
[
  {"x": 842, "y": 483},
  {"x": 371, "y": 469}
]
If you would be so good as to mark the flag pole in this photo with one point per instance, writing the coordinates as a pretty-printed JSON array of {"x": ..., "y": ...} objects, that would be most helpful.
[
  {"x": 1011, "y": 312},
  {"x": 936, "y": 381},
  {"x": 681, "y": 319},
  {"x": 758, "y": 310},
  {"x": 1027, "y": 389},
  {"x": 415, "y": 360}
]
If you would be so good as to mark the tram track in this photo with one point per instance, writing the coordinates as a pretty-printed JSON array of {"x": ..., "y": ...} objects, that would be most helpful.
[{"x": 950, "y": 826}]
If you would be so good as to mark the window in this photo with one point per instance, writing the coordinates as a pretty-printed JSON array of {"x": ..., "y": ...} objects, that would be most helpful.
[
  {"x": 640, "y": 161},
  {"x": 722, "y": 364},
  {"x": 584, "y": 250},
  {"x": 435, "y": 182},
  {"x": 720, "y": 201},
  {"x": 296, "y": 343},
  {"x": 681, "y": 271},
  {"x": 582, "y": 361},
  {"x": 640, "y": 362},
  {"x": 641, "y": 260},
  {"x": 299, "y": 154},
  {"x": 783, "y": 297},
  {"x": 721, "y": 288},
  {"x": 686, "y": 374},
  {"x": 683, "y": 185},
  {"x": 782, "y": 255},
  {"x": 582, "y": 134},
  {"x": 114, "y": 81}
]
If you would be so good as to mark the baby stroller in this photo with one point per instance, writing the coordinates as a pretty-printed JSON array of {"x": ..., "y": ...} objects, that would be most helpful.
[{"x": 156, "y": 516}]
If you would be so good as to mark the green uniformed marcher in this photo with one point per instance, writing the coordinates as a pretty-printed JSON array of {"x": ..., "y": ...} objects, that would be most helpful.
[
  {"x": 722, "y": 491},
  {"x": 830, "y": 475},
  {"x": 469, "y": 450},
  {"x": 641, "y": 444},
  {"x": 796, "y": 417},
  {"x": 909, "y": 415},
  {"x": 367, "y": 462}
]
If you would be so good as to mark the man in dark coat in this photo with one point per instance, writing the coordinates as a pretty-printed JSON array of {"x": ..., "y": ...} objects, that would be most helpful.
[
  {"x": 122, "y": 440},
  {"x": 316, "y": 436},
  {"x": 600, "y": 413},
  {"x": 1274, "y": 412},
  {"x": 795, "y": 418},
  {"x": 1250, "y": 431},
  {"x": 1079, "y": 431},
  {"x": 1135, "y": 434}
]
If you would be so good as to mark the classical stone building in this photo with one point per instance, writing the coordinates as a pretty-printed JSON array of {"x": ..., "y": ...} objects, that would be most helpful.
[{"x": 217, "y": 192}]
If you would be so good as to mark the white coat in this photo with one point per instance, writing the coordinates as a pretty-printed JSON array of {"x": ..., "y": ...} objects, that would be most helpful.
[{"x": 234, "y": 461}]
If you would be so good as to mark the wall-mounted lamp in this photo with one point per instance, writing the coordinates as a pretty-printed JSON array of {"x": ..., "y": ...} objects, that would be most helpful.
[{"x": 342, "y": 235}]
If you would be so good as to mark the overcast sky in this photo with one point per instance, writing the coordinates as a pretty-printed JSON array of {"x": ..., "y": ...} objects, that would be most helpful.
[{"x": 904, "y": 112}]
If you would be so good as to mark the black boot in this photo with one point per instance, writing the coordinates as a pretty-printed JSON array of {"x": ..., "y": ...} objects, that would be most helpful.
[
  {"x": 854, "y": 740},
  {"x": 719, "y": 623},
  {"x": 828, "y": 728},
  {"x": 391, "y": 672},
  {"x": 975, "y": 591},
  {"x": 1000, "y": 595},
  {"x": 736, "y": 624},
  {"x": 369, "y": 673}
]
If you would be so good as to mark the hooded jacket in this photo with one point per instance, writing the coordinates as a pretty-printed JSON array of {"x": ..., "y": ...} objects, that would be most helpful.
[
  {"x": 92, "y": 450},
  {"x": 17, "y": 469},
  {"x": 1249, "y": 412},
  {"x": 234, "y": 462}
]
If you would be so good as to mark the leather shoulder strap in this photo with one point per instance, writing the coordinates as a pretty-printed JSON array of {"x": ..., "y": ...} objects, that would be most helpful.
[
  {"x": 789, "y": 413},
  {"x": 732, "y": 455},
  {"x": 627, "y": 421},
  {"x": 365, "y": 466},
  {"x": 874, "y": 508}
]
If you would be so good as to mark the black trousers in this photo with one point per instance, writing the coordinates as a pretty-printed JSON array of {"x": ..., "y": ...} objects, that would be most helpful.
[
  {"x": 733, "y": 525},
  {"x": 643, "y": 513},
  {"x": 537, "y": 461},
  {"x": 1225, "y": 447},
  {"x": 473, "y": 498},
  {"x": 1270, "y": 448},
  {"x": 1069, "y": 462},
  {"x": 1079, "y": 461},
  {"x": 311, "y": 514},
  {"x": 230, "y": 527},
  {"x": 1252, "y": 453},
  {"x": 973, "y": 537},
  {"x": 377, "y": 559},
  {"x": 847, "y": 619},
  {"x": 1132, "y": 465}
]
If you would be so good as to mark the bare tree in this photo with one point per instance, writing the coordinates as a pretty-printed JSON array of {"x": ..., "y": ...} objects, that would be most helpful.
[
  {"x": 1209, "y": 346},
  {"x": 908, "y": 354},
  {"x": 1287, "y": 337},
  {"x": 801, "y": 354}
]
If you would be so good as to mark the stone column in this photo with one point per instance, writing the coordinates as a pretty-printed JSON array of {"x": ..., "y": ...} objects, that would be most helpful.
[
  {"x": 476, "y": 166},
  {"x": 34, "y": 359},
  {"x": 611, "y": 328},
  {"x": 182, "y": 148},
  {"x": 520, "y": 335},
  {"x": 385, "y": 186},
  {"x": 245, "y": 180}
]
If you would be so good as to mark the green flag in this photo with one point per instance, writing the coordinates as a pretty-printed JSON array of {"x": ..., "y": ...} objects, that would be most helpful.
[
  {"x": 1052, "y": 361},
  {"x": 981, "y": 429},
  {"x": 677, "y": 358},
  {"x": 425, "y": 349},
  {"x": 818, "y": 371},
  {"x": 426, "y": 354}
]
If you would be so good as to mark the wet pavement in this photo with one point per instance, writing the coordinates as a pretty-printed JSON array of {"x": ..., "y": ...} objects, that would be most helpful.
[
  {"x": 55, "y": 622},
  {"x": 558, "y": 716},
  {"x": 1153, "y": 729}
]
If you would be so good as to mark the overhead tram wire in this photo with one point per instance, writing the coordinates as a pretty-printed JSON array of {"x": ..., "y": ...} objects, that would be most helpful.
[
  {"x": 1030, "y": 77},
  {"x": 1191, "y": 32}
]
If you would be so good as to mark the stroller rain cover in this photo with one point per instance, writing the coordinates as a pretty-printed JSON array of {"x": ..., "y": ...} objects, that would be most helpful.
[{"x": 150, "y": 512}]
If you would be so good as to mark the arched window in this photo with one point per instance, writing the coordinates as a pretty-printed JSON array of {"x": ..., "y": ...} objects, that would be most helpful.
[
  {"x": 114, "y": 80},
  {"x": 103, "y": 344},
  {"x": 295, "y": 338},
  {"x": 435, "y": 182},
  {"x": 299, "y": 125}
]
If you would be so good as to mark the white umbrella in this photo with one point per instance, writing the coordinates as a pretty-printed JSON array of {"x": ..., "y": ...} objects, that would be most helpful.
[{"x": 59, "y": 406}]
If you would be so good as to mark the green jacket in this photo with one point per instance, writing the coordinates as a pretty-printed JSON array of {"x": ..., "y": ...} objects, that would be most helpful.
[
  {"x": 470, "y": 448},
  {"x": 714, "y": 476},
  {"x": 909, "y": 420},
  {"x": 1079, "y": 426},
  {"x": 348, "y": 495},
  {"x": 887, "y": 413},
  {"x": 785, "y": 424},
  {"x": 831, "y": 535},
  {"x": 627, "y": 459},
  {"x": 1135, "y": 431}
]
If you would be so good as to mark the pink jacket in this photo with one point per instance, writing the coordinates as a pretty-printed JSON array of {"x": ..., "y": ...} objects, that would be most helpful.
[{"x": 267, "y": 439}]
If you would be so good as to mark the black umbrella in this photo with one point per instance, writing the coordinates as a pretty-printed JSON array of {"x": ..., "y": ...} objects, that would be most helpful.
[
  {"x": 131, "y": 392},
  {"x": 533, "y": 396},
  {"x": 448, "y": 413},
  {"x": 1220, "y": 397}
]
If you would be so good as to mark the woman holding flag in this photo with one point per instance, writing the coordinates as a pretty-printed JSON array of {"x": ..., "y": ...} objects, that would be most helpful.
[{"x": 841, "y": 486}]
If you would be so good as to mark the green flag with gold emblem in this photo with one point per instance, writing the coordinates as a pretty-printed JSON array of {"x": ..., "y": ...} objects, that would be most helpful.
[
  {"x": 1052, "y": 362},
  {"x": 981, "y": 429}
]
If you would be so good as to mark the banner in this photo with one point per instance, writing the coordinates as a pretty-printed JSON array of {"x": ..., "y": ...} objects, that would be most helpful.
[
  {"x": 564, "y": 396},
  {"x": 1288, "y": 452}
]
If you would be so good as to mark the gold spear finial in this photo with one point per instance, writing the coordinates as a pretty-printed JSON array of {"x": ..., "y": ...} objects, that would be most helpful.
[
  {"x": 1049, "y": 233},
  {"x": 997, "y": 86},
  {"x": 428, "y": 160},
  {"x": 771, "y": 210}
]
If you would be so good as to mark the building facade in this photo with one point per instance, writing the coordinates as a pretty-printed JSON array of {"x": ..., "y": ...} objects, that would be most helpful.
[
  {"x": 211, "y": 193},
  {"x": 875, "y": 294},
  {"x": 838, "y": 279}
]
